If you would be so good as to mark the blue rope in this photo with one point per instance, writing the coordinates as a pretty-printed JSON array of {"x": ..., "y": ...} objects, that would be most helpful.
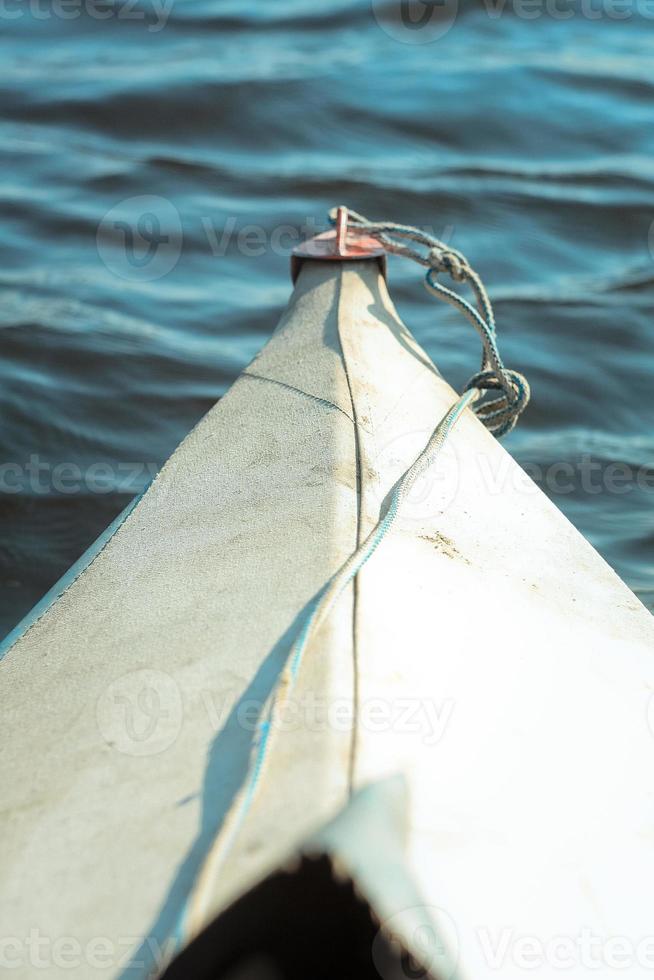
[
  {"x": 499, "y": 414},
  {"x": 196, "y": 906}
]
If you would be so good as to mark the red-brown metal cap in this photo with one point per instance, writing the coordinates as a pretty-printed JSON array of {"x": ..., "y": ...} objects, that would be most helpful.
[{"x": 343, "y": 243}]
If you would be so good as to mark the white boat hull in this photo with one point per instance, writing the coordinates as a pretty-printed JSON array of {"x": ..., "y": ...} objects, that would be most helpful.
[{"x": 486, "y": 652}]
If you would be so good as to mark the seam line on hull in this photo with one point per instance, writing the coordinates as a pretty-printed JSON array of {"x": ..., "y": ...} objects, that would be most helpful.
[
  {"x": 300, "y": 391},
  {"x": 355, "y": 581}
]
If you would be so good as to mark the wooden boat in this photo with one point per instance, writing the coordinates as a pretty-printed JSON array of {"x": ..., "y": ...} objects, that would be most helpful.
[{"x": 467, "y": 744}]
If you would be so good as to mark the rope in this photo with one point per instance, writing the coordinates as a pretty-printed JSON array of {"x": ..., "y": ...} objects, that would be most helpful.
[
  {"x": 499, "y": 414},
  {"x": 197, "y": 906}
]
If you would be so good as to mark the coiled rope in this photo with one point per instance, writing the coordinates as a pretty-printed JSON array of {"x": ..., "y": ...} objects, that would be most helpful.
[{"x": 499, "y": 414}]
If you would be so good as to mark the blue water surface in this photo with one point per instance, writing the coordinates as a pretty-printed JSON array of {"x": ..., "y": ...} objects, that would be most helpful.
[{"x": 160, "y": 159}]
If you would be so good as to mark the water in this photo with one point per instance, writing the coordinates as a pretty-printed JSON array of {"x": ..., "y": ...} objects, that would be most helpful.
[{"x": 529, "y": 143}]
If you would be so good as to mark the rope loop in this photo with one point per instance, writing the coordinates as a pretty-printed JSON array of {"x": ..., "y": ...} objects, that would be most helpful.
[{"x": 499, "y": 415}]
